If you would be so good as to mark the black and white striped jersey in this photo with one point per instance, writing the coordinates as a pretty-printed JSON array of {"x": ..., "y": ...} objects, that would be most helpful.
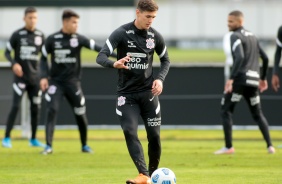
[
  {"x": 65, "y": 52},
  {"x": 140, "y": 45},
  {"x": 277, "y": 56},
  {"x": 27, "y": 47},
  {"x": 246, "y": 52}
]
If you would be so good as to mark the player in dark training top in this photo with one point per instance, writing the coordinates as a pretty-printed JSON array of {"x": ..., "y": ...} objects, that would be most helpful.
[
  {"x": 277, "y": 58},
  {"x": 26, "y": 44},
  {"x": 137, "y": 89},
  {"x": 245, "y": 81},
  {"x": 64, "y": 76}
]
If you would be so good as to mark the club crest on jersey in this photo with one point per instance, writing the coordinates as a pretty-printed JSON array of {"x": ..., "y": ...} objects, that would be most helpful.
[
  {"x": 73, "y": 42},
  {"x": 52, "y": 89},
  {"x": 150, "y": 43},
  {"x": 121, "y": 100},
  {"x": 37, "y": 40}
]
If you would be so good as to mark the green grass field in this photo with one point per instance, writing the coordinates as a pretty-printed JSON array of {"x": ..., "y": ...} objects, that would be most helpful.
[
  {"x": 189, "y": 153},
  {"x": 176, "y": 56}
]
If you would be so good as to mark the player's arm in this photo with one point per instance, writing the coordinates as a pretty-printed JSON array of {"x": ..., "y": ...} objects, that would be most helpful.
[
  {"x": 110, "y": 45},
  {"x": 92, "y": 45},
  {"x": 11, "y": 44},
  {"x": 238, "y": 57},
  {"x": 263, "y": 82},
  {"x": 264, "y": 58},
  {"x": 237, "y": 53},
  {"x": 161, "y": 50},
  {"x": 44, "y": 68},
  {"x": 277, "y": 57}
]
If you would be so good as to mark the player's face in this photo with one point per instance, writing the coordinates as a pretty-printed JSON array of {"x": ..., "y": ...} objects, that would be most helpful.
[
  {"x": 145, "y": 19},
  {"x": 30, "y": 20},
  {"x": 70, "y": 25},
  {"x": 234, "y": 22}
]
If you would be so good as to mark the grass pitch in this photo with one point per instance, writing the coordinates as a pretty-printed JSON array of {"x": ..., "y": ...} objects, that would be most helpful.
[{"x": 189, "y": 153}]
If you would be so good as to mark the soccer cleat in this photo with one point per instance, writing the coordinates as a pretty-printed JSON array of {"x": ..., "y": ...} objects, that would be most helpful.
[
  {"x": 36, "y": 143},
  {"x": 86, "y": 149},
  {"x": 140, "y": 179},
  {"x": 47, "y": 150},
  {"x": 271, "y": 150},
  {"x": 6, "y": 142},
  {"x": 225, "y": 150}
]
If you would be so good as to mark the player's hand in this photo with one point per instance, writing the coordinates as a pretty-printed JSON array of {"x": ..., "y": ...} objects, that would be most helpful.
[
  {"x": 17, "y": 69},
  {"x": 44, "y": 84},
  {"x": 228, "y": 86},
  {"x": 157, "y": 87},
  {"x": 120, "y": 64},
  {"x": 275, "y": 82},
  {"x": 263, "y": 85}
]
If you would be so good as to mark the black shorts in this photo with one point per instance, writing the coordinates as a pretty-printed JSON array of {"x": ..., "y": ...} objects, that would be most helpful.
[{"x": 129, "y": 108}]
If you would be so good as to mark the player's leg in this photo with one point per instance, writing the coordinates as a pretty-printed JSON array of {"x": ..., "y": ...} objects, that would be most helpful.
[
  {"x": 18, "y": 90},
  {"x": 151, "y": 115},
  {"x": 34, "y": 95},
  {"x": 75, "y": 97},
  {"x": 253, "y": 100},
  {"x": 128, "y": 112},
  {"x": 53, "y": 98},
  {"x": 228, "y": 103}
]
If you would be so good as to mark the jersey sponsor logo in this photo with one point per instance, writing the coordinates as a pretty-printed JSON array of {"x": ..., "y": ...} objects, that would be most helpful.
[
  {"x": 251, "y": 73},
  {"x": 52, "y": 89},
  {"x": 150, "y": 43},
  {"x": 135, "y": 61},
  {"x": 136, "y": 54},
  {"x": 130, "y": 32},
  {"x": 24, "y": 41},
  {"x": 23, "y": 32},
  {"x": 121, "y": 100},
  {"x": 74, "y": 42},
  {"x": 26, "y": 53},
  {"x": 154, "y": 121},
  {"x": 255, "y": 100},
  {"x": 58, "y": 45},
  {"x": 38, "y": 33},
  {"x": 61, "y": 56},
  {"x": 58, "y": 36},
  {"x": 151, "y": 34},
  {"x": 252, "y": 82},
  {"x": 131, "y": 44},
  {"x": 38, "y": 40},
  {"x": 236, "y": 97}
]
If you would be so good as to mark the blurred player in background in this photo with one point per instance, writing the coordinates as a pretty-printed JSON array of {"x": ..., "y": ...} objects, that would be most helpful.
[
  {"x": 275, "y": 77},
  {"x": 138, "y": 90},
  {"x": 64, "y": 76},
  {"x": 26, "y": 43},
  {"x": 245, "y": 81}
]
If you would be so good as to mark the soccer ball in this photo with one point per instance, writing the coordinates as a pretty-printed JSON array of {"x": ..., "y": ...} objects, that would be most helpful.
[{"x": 163, "y": 176}]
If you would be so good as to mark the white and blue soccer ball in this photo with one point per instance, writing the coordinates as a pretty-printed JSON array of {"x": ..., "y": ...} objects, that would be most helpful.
[{"x": 163, "y": 176}]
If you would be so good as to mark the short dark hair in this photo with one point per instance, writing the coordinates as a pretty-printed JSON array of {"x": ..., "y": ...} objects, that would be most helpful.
[
  {"x": 68, "y": 14},
  {"x": 29, "y": 10},
  {"x": 147, "y": 5},
  {"x": 236, "y": 13}
]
